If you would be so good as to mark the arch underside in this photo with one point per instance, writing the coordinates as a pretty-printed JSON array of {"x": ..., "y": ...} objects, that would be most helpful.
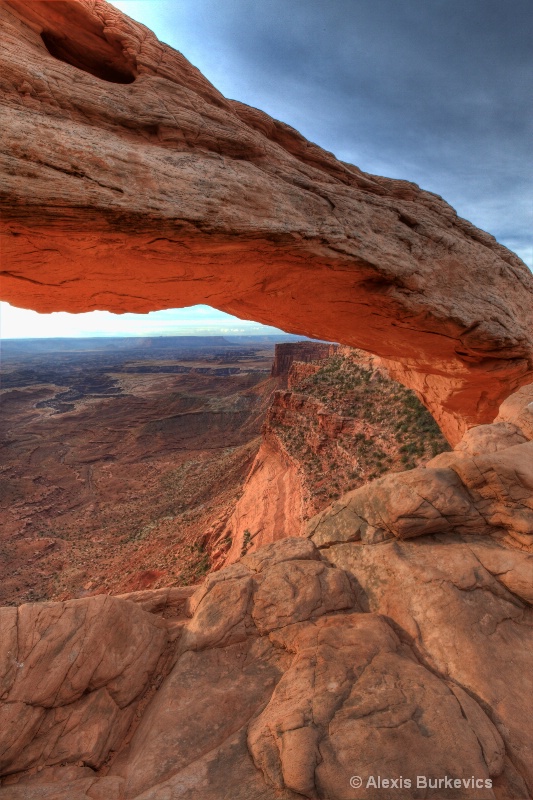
[{"x": 160, "y": 193}]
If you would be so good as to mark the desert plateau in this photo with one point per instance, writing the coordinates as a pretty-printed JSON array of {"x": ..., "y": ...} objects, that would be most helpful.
[
  {"x": 156, "y": 459},
  {"x": 250, "y": 568}
]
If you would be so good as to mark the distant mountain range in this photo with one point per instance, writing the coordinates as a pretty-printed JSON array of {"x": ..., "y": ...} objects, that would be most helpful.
[{"x": 166, "y": 343}]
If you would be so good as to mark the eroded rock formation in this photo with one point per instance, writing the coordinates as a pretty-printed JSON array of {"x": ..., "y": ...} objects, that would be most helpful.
[
  {"x": 72, "y": 675},
  {"x": 484, "y": 487},
  {"x": 341, "y": 423},
  {"x": 402, "y": 649},
  {"x": 397, "y": 640},
  {"x": 131, "y": 184},
  {"x": 287, "y": 353}
]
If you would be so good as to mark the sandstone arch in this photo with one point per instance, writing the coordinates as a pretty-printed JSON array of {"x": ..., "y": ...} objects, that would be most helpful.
[{"x": 154, "y": 191}]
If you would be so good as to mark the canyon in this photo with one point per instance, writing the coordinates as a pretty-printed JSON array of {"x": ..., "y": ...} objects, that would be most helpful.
[
  {"x": 134, "y": 464},
  {"x": 381, "y": 624},
  {"x": 117, "y": 455},
  {"x": 338, "y": 421},
  {"x": 398, "y": 646},
  {"x": 357, "y": 634}
]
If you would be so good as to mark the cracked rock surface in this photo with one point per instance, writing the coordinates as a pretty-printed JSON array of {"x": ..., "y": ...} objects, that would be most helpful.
[
  {"x": 72, "y": 676},
  {"x": 483, "y": 487},
  {"x": 288, "y": 675},
  {"x": 397, "y": 640}
]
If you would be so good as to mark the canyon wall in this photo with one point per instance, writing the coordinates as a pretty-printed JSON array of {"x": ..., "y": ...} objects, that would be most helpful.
[
  {"x": 272, "y": 505},
  {"x": 298, "y": 371},
  {"x": 132, "y": 184},
  {"x": 342, "y": 422},
  {"x": 288, "y": 352},
  {"x": 396, "y": 637}
]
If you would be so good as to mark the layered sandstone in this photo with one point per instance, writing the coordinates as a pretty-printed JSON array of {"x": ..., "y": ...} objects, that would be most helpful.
[
  {"x": 131, "y": 184},
  {"x": 299, "y": 371},
  {"x": 484, "y": 487},
  {"x": 287, "y": 353},
  {"x": 397, "y": 639},
  {"x": 341, "y": 423},
  {"x": 272, "y": 505}
]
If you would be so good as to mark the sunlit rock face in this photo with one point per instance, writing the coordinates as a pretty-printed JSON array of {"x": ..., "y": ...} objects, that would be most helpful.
[
  {"x": 287, "y": 353},
  {"x": 131, "y": 184},
  {"x": 339, "y": 423}
]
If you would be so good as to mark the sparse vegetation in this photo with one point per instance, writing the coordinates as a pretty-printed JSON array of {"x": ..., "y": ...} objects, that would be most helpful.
[
  {"x": 195, "y": 563},
  {"x": 246, "y": 542},
  {"x": 375, "y": 426}
]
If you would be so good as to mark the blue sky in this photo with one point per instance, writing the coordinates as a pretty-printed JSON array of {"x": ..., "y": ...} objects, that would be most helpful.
[{"x": 435, "y": 92}]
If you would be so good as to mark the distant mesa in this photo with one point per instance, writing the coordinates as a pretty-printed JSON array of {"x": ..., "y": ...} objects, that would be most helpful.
[
  {"x": 287, "y": 353},
  {"x": 106, "y": 343}
]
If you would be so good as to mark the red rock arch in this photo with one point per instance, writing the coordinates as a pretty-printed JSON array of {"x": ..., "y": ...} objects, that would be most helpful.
[{"x": 157, "y": 192}]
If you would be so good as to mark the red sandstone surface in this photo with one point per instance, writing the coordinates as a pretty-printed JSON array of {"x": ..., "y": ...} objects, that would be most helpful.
[
  {"x": 395, "y": 638},
  {"x": 301, "y": 352},
  {"x": 343, "y": 422},
  {"x": 120, "y": 474},
  {"x": 121, "y": 161}
]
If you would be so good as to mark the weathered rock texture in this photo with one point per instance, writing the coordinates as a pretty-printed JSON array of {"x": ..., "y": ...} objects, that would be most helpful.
[
  {"x": 131, "y": 184},
  {"x": 484, "y": 487},
  {"x": 398, "y": 641},
  {"x": 272, "y": 506},
  {"x": 289, "y": 352},
  {"x": 284, "y": 675},
  {"x": 300, "y": 370},
  {"x": 344, "y": 423},
  {"x": 72, "y": 676}
]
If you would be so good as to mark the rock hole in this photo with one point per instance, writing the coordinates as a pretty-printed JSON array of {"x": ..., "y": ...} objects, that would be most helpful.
[
  {"x": 105, "y": 62},
  {"x": 376, "y": 284},
  {"x": 409, "y": 221}
]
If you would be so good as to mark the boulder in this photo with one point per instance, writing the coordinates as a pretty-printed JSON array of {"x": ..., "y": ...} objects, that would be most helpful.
[
  {"x": 448, "y": 598},
  {"x": 297, "y": 671},
  {"x": 73, "y": 673}
]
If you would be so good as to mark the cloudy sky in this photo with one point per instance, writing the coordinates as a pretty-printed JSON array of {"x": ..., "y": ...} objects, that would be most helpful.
[{"x": 435, "y": 91}]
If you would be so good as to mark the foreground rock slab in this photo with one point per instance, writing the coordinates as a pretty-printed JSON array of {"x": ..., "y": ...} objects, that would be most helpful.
[
  {"x": 131, "y": 184},
  {"x": 291, "y": 673},
  {"x": 72, "y": 675}
]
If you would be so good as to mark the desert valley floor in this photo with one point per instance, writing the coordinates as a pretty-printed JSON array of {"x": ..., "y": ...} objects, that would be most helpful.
[{"x": 118, "y": 456}]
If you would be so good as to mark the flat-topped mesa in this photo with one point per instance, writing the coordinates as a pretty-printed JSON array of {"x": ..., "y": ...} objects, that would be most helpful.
[
  {"x": 132, "y": 184},
  {"x": 287, "y": 353}
]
